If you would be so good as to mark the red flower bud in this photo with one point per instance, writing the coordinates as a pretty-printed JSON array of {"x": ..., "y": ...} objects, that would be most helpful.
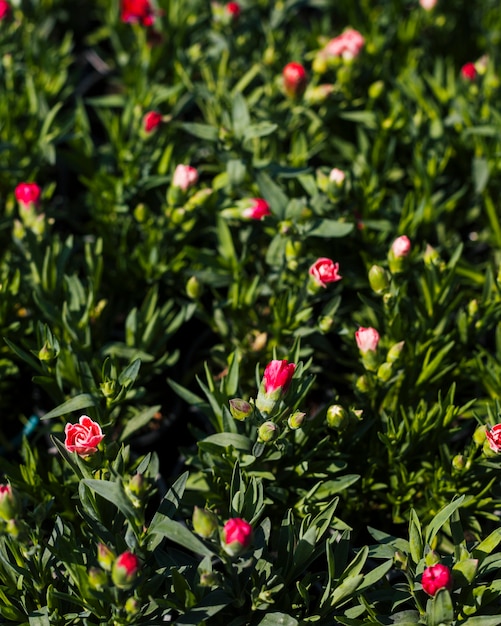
[
  {"x": 151, "y": 121},
  {"x": 137, "y": 12},
  {"x": 234, "y": 10},
  {"x": 237, "y": 536},
  {"x": 436, "y": 577},
  {"x": 28, "y": 194},
  {"x": 294, "y": 79},
  {"x": 4, "y": 9},
  {"x": 258, "y": 209},
  {"x": 469, "y": 71},
  {"x": 125, "y": 570}
]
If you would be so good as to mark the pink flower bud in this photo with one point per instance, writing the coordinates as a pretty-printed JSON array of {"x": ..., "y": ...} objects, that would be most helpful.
[
  {"x": 367, "y": 339},
  {"x": 278, "y": 375},
  {"x": 233, "y": 9},
  {"x": 337, "y": 176},
  {"x": 428, "y": 5},
  {"x": 347, "y": 45},
  {"x": 105, "y": 557},
  {"x": 5, "y": 9},
  {"x": 84, "y": 437},
  {"x": 324, "y": 271},
  {"x": 259, "y": 208},
  {"x": 9, "y": 506},
  {"x": 469, "y": 72},
  {"x": 28, "y": 194},
  {"x": 137, "y": 12},
  {"x": 436, "y": 577},
  {"x": 185, "y": 176},
  {"x": 151, "y": 121},
  {"x": 125, "y": 570},
  {"x": 494, "y": 438},
  {"x": 401, "y": 247},
  {"x": 237, "y": 536},
  {"x": 294, "y": 79}
]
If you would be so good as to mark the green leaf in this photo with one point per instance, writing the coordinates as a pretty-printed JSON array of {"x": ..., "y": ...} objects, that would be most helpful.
[
  {"x": 226, "y": 440},
  {"x": 138, "y": 421},
  {"x": 346, "y": 589},
  {"x": 488, "y": 545},
  {"x": 179, "y": 534},
  {"x": 129, "y": 374},
  {"x": 39, "y": 617},
  {"x": 440, "y": 518},
  {"x": 114, "y": 493},
  {"x": 278, "y": 619},
  {"x": 439, "y": 609},
  {"x": 202, "y": 131},
  {"x": 329, "y": 228},
  {"x": 480, "y": 173},
  {"x": 82, "y": 401},
  {"x": 213, "y": 602}
]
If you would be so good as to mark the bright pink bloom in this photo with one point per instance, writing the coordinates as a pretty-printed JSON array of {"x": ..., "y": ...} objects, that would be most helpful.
[
  {"x": 337, "y": 176},
  {"x": 325, "y": 271},
  {"x": 28, "y": 194},
  {"x": 294, "y": 79},
  {"x": 84, "y": 437},
  {"x": 401, "y": 247},
  {"x": 428, "y": 5},
  {"x": 469, "y": 71},
  {"x": 4, "y": 9},
  {"x": 494, "y": 438},
  {"x": 278, "y": 375},
  {"x": 137, "y": 12},
  {"x": 151, "y": 121},
  {"x": 347, "y": 45},
  {"x": 436, "y": 577},
  {"x": 237, "y": 531},
  {"x": 258, "y": 209},
  {"x": 125, "y": 569},
  {"x": 367, "y": 339},
  {"x": 234, "y": 10},
  {"x": 185, "y": 176}
]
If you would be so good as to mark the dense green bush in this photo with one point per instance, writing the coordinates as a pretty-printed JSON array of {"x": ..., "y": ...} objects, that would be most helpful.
[{"x": 251, "y": 307}]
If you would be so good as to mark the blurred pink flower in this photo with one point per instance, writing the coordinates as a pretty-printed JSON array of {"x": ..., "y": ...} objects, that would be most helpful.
[
  {"x": 494, "y": 438},
  {"x": 5, "y": 9},
  {"x": 28, "y": 194},
  {"x": 258, "y": 209},
  {"x": 151, "y": 121},
  {"x": 348, "y": 45},
  {"x": 294, "y": 79},
  {"x": 469, "y": 72},
  {"x": 324, "y": 271},
  {"x": 337, "y": 176},
  {"x": 185, "y": 176},
  {"x": 234, "y": 10},
  {"x": 84, "y": 437},
  {"x": 428, "y": 5},
  {"x": 367, "y": 339},
  {"x": 137, "y": 12},
  {"x": 401, "y": 247},
  {"x": 436, "y": 577}
]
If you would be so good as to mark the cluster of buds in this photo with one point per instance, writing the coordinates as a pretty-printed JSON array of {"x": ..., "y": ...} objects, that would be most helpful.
[
  {"x": 268, "y": 410},
  {"x": 235, "y": 537},
  {"x": 367, "y": 340},
  {"x": 123, "y": 569}
]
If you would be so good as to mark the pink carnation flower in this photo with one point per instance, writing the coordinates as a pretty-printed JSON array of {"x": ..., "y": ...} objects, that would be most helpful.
[
  {"x": 278, "y": 375},
  {"x": 436, "y": 577},
  {"x": 137, "y": 11},
  {"x": 28, "y": 194},
  {"x": 185, "y": 176},
  {"x": 237, "y": 536},
  {"x": 151, "y": 121},
  {"x": 401, "y": 247},
  {"x": 5, "y": 9},
  {"x": 325, "y": 271},
  {"x": 347, "y": 45},
  {"x": 294, "y": 79},
  {"x": 258, "y": 209},
  {"x": 84, "y": 437},
  {"x": 367, "y": 339},
  {"x": 494, "y": 438}
]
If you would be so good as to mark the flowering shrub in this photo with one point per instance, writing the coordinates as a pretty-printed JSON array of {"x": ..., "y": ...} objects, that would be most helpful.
[{"x": 250, "y": 312}]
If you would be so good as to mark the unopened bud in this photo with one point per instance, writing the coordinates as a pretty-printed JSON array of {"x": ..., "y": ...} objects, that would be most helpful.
[
  {"x": 268, "y": 432},
  {"x": 376, "y": 89},
  {"x": 460, "y": 462},
  {"x": 9, "y": 504},
  {"x": 97, "y": 577},
  {"x": 105, "y": 557},
  {"x": 395, "y": 351},
  {"x": 337, "y": 417},
  {"x": 204, "y": 522},
  {"x": 194, "y": 288},
  {"x": 141, "y": 213},
  {"x": 296, "y": 420},
  {"x": 432, "y": 558},
  {"x": 384, "y": 372},
  {"x": 378, "y": 279},
  {"x": 131, "y": 606},
  {"x": 136, "y": 489},
  {"x": 108, "y": 388},
  {"x": 47, "y": 352},
  {"x": 479, "y": 435},
  {"x": 325, "y": 323},
  {"x": 240, "y": 409},
  {"x": 362, "y": 384},
  {"x": 124, "y": 570}
]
